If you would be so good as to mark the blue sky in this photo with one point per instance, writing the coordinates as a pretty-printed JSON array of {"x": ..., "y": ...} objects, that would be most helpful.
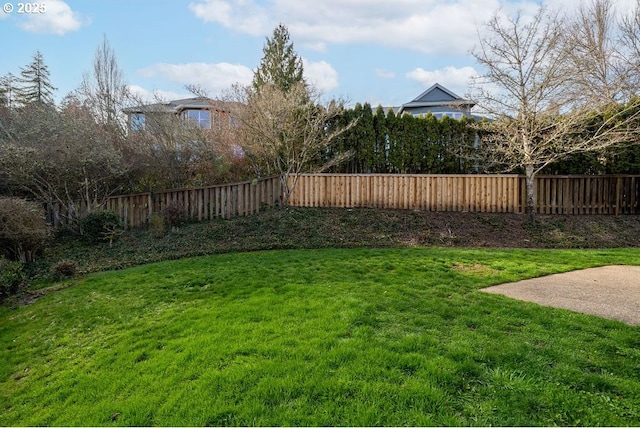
[{"x": 378, "y": 51}]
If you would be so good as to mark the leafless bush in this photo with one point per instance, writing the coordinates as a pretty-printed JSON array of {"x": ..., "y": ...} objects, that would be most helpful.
[{"x": 23, "y": 230}]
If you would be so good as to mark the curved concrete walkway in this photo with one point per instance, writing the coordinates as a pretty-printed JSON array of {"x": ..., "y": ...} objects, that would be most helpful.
[{"x": 609, "y": 291}]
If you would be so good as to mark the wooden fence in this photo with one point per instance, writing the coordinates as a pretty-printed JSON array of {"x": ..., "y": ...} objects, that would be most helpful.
[
  {"x": 586, "y": 194},
  {"x": 204, "y": 203},
  {"x": 479, "y": 193},
  {"x": 474, "y": 193},
  {"x": 618, "y": 194}
]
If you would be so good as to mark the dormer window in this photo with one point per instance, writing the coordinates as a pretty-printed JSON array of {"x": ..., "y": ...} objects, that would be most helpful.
[{"x": 200, "y": 118}]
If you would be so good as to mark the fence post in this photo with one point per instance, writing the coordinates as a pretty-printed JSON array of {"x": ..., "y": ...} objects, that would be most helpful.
[{"x": 619, "y": 191}]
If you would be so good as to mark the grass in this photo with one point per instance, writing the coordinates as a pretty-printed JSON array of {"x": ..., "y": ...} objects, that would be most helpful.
[{"x": 319, "y": 337}]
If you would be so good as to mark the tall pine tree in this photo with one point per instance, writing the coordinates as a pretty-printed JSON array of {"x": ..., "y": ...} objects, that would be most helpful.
[
  {"x": 35, "y": 86},
  {"x": 280, "y": 65}
]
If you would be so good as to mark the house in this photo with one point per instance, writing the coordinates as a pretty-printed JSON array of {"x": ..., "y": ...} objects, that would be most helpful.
[
  {"x": 440, "y": 102},
  {"x": 199, "y": 111}
]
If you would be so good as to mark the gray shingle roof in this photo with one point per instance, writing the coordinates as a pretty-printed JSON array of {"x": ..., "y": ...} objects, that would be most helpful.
[{"x": 177, "y": 106}]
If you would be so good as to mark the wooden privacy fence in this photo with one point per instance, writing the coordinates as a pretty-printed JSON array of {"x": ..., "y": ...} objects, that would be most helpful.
[
  {"x": 480, "y": 193},
  {"x": 203, "y": 203},
  {"x": 586, "y": 194},
  {"x": 474, "y": 193},
  {"x": 573, "y": 194}
]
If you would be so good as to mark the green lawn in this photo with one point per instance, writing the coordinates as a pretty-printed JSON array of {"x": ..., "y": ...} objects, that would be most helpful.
[{"x": 319, "y": 337}]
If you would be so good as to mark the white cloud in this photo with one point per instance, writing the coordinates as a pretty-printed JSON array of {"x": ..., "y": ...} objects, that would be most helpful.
[
  {"x": 221, "y": 76},
  {"x": 452, "y": 78},
  {"x": 214, "y": 77},
  {"x": 320, "y": 75},
  {"x": 146, "y": 96},
  {"x": 429, "y": 26},
  {"x": 57, "y": 18},
  {"x": 384, "y": 74},
  {"x": 242, "y": 15},
  {"x": 621, "y": 6}
]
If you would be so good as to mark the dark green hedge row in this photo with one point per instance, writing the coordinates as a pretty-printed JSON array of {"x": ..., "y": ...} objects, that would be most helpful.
[{"x": 383, "y": 142}]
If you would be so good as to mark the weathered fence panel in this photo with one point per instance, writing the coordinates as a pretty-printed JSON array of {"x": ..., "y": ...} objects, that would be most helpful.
[
  {"x": 554, "y": 194},
  {"x": 575, "y": 194},
  {"x": 480, "y": 193},
  {"x": 586, "y": 194},
  {"x": 203, "y": 203}
]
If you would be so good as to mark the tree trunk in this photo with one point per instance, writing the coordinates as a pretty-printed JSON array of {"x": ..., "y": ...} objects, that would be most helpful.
[
  {"x": 287, "y": 188},
  {"x": 530, "y": 209}
]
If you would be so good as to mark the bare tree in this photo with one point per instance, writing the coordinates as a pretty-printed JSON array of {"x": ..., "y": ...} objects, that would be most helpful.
[
  {"x": 7, "y": 90},
  {"x": 60, "y": 157},
  {"x": 523, "y": 89},
  {"x": 598, "y": 59},
  {"x": 281, "y": 132},
  {"x": 171, "y": 151},
  {"x": 630, "y": 41},
  {"x": 104, "y": 90}
]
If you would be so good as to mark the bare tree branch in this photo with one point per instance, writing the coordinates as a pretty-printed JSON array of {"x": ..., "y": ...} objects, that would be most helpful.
[
  {"x": 542, "y": 108},
  {"x": 283, "y": 132}
]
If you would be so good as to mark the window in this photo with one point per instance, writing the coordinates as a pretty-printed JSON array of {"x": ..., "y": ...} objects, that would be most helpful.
[
  {"x": 200, "y": 118},
  {"x": 452, "y": 115},
  {"x": 137, "y": 122}
]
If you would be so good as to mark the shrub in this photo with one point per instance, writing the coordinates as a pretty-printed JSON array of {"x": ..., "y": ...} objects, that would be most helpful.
[
  {"x": 64, "y": 269},
  {"x": 101, "y": 226},
  {"x": 174, "y": 214},
  {"x": 11, "y": 277},
  {"x": 23, "y": 229},
  {"x": 156, "y": 225}
]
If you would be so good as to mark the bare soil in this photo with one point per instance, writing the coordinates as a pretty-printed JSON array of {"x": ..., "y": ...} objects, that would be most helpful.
[
  {"x": 370, "y": 227},
  {"x": 515, "y": 231}
]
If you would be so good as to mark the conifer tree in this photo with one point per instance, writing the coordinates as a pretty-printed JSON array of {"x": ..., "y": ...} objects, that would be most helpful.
[
  {"x": 381, "y": 138},
  {"x": 366, "y": 135},
  {"x": 35, "y": 84},
  {"x": 280, "y": 66}
]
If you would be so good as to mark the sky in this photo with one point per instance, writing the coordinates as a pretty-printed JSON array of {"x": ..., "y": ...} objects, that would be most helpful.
[{"x": 384, "y": 52}]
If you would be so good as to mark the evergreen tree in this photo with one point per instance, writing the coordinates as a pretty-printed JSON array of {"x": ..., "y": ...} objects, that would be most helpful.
[
  {"x": 381, "y": 139},
  {"x": 431, "y": 147},
  {"x": 393, "y": 143},
  {"x": 35, "y": 84},
  {"x": 366, "y": 138},
  {"x": 280, "y": 66}
]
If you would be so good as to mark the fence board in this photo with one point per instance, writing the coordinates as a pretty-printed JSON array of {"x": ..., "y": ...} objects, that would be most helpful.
[
  {"x": 577, "y": 195},
  {"x": 198, "y": 204},
  {"x": 473, "y": 193}
]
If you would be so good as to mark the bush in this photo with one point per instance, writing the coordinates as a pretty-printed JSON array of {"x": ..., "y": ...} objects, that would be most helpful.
[
  {"x": 101, "y": 226},
  {"x": 11, "y": 277},
  {"x": 64, "y": 269},
  {"x": 23, "y": 229},
  {"x": 156, "y": 225},
  {"x": 174, "y": 214}
]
